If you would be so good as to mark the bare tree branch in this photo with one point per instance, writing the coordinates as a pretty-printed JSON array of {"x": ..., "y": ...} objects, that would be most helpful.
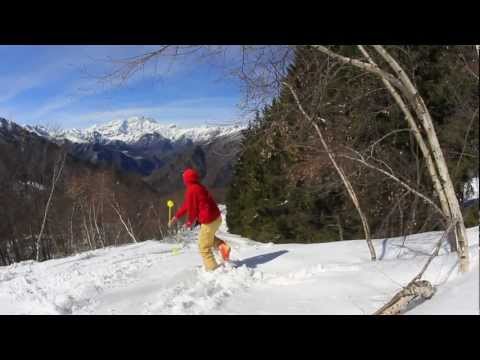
[
  {"x": 372, "y": 147},
  {"x": 416, "y": 288},
  {"x": 362, "y": 161},
  {"x": 340, "y": 172},
  {"x": 362, "y": 65}
]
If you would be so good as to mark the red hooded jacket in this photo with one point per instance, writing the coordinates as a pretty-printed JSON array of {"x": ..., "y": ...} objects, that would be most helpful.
[{"x": 198, "y": 202}]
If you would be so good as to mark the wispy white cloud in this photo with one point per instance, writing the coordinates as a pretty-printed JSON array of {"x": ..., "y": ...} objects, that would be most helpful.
[
  {"x": 75, "y": 98},
  {"x": 186, "y": 112},
  {"x": 48, "y": 69},
  {"x": 52, "y": 105},
  {"x": 13, "y": 85},
  {"x": 89, "y": 64}
]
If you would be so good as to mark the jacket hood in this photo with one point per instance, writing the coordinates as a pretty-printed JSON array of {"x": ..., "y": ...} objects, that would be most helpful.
[{"x": 190, "y": 176}]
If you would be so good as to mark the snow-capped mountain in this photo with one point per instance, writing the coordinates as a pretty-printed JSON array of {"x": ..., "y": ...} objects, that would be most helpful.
[
  {"x": 157, "y": 152},
  {"x": 134, "y": 129},
  {"x": 9, "y": 128},
  {"x": 4, "y": 123}
]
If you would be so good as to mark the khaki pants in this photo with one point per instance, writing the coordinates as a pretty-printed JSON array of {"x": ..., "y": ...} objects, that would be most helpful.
[{"x": 208, "y": 241}]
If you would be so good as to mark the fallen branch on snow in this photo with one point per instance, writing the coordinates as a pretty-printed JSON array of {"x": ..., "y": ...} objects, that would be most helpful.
[{"x": 416, "y": 288}]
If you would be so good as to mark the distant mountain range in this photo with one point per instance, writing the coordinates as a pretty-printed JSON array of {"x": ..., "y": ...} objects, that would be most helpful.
[
  {"x": 136, "y": 130},
  {"x": 157, "y": 152}
]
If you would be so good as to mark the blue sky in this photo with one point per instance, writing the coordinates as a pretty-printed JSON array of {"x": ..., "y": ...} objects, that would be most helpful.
[{"x": 58, "y": 86}]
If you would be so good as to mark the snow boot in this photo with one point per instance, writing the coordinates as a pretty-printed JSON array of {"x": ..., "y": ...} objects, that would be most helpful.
[{"x": 224, "y": 250}]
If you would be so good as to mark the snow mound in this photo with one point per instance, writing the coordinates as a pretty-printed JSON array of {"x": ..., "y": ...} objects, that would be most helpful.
[
  {"x": 166, "y": 277},
  {"x": 471, "y": 189}
]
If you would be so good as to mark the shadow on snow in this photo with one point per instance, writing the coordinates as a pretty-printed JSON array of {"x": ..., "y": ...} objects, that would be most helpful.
[{"x": 253, "y": 261}]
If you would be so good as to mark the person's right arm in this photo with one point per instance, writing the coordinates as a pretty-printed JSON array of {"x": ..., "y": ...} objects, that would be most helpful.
[{"x": 184, "y": 208}]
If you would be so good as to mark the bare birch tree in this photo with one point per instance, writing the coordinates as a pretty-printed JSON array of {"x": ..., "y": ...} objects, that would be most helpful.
[
  {"x": 125, "y": 222},
  {"x": 56, "y": 174},
  {"x": 439, "y": 172}
]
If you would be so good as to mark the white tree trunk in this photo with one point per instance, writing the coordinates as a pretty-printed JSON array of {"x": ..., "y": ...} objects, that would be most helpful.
[
  {"x": 116, "y": 207},
  {"x": 57, "y": 172},
  {"x": 399, "y": 303},
  {"x": 87, "y": 232},
  {"x": 424, "y": 115},
  {"x": 71, "y": 228},
  {"x": 95, "y": 222},
  {"x": 418, "y": 137}
]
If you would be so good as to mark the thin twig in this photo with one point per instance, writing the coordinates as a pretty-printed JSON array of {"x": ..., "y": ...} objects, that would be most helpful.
[
  {"x": 393, "y": 177},
  {"x": 340, "y": 172}
]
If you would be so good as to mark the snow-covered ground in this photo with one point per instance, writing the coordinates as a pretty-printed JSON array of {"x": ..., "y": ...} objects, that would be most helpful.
[
  {"x": 156, "y": 277},
  {"x": 471, "y": 189}
]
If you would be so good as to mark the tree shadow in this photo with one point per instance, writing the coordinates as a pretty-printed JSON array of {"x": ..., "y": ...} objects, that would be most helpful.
[
  {"x": 384, "y": 249},
  {"x": 386, "y": 246},
  {"x": 161, "y": 252},
  {"x": 79, "y": 257},
  {"x": 449, "y": 273},
  {"x": 253, "y": 261}
]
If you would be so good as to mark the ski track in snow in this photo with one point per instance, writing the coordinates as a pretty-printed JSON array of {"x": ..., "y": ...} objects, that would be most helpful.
[
  {"x": 78, "y": 284},
  {"x": 202, "y": 292},
  {"x": 72, "y": 289},
  {"x": 151, "y": 278}
]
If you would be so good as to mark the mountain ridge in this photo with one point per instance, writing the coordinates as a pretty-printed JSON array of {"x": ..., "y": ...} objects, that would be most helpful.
[
  {"x": 157, "y": 152},
  {"x": 132, "y": 129}
]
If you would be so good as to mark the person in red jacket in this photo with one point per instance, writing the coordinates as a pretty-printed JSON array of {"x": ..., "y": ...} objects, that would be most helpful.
[{"x": 199, "y": 206}]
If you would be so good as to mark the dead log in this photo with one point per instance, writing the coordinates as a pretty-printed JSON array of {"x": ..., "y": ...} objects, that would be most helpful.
[
  {"x": 416, "y": 289},
  {"x": 419, "y": 289}
]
